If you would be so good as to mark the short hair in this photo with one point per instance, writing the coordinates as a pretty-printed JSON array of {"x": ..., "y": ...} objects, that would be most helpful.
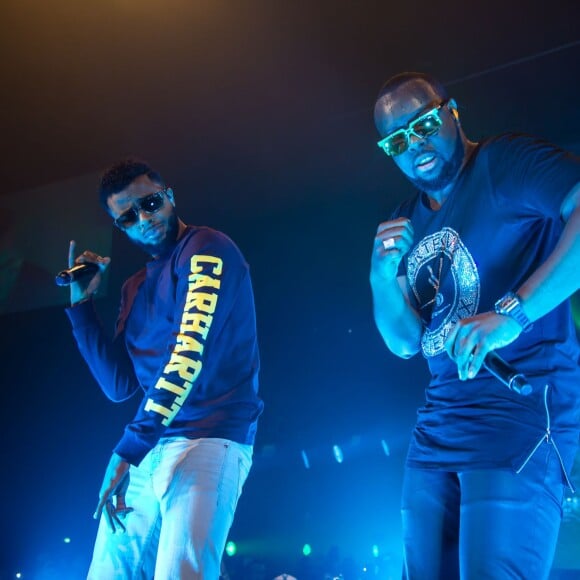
[
  {"x": 121, "y": 174},
  {"x": 405, "y": 77}
]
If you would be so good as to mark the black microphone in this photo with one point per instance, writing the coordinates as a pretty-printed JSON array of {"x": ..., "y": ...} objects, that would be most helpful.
[
  {"x": 75, "y": 273},
  {"x": 503, "y": 371}
]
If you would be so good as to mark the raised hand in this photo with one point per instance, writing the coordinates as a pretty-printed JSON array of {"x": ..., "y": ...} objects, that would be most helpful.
[
  {"x": 392, "y": 241},
  {"x": 85, "y": 288}
]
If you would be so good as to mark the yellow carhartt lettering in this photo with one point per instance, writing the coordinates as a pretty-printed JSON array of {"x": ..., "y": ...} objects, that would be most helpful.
[
  {"x": 186, "y": 368},
  {"x": 202, "y": 281},
  {"x": 196, "y": 322},
  {"x": 171, "y": 416},
  {"x": 188, "y": 343},
  {"x": 177, "y": 404},
  {"x": 196, "y": 319},
  {"x": 197, "y": 260},
  {"x": 154, "y": 407},
  {"x": 202, "y": 301},
  {"x": 166, "y": 385}
]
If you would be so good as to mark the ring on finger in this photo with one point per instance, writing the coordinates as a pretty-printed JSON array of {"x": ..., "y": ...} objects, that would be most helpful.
[{"x": 389, "y": 243}]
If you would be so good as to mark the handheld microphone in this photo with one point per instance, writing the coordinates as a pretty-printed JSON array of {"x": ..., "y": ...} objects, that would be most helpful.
[
  {"x": 75, "y": 273},
  {"x": 503, "y": 371}
]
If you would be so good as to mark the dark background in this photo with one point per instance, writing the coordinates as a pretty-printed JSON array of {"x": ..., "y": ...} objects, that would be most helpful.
[{"x": 259, "y": 114}]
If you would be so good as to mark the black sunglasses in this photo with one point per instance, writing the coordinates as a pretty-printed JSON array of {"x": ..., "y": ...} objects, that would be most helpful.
[{"x": 151, "y": 203}]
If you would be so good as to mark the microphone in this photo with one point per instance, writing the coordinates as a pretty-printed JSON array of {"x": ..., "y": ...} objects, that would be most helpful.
[
  {"x": 500, "y": 369},
  {"x": 75, "y": 273}
]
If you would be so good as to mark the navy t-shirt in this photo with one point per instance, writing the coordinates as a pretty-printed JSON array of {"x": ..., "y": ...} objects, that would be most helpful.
[{"x": 500, "y": 222}]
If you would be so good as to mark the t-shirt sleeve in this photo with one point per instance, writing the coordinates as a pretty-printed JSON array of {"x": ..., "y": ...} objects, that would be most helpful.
[{"x": 532, "y": 173}]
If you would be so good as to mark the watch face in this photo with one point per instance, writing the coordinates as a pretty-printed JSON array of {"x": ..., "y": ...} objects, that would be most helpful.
[
  {"x": 506, "y": 303},
  {"x": 509, "y": 305}
]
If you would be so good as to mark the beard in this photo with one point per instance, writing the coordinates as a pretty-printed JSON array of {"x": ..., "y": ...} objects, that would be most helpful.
[
  {"x": 448, "y": 173},
  {"x": 167, "y": 243}
]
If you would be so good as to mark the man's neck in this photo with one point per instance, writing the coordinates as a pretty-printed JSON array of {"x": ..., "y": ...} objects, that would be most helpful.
[
  {"x": 438, "y": 198},
  {"x": 181, "y": 227}
]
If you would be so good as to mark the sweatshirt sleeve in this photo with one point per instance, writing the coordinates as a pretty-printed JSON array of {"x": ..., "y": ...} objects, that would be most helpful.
[
  {"x": 207, "y": 272},
  {"x": 107, "y": 359}
]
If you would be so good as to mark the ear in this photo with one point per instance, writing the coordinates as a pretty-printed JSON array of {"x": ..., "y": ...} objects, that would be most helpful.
[
  {"x": 452, "y": 104},
  {"x": 170, "y": 197}
]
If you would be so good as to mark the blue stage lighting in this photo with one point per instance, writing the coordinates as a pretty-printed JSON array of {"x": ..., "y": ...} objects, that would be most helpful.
[{"x": 385, "y": 447}]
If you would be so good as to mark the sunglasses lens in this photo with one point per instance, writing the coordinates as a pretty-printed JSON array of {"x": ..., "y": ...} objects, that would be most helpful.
[
  {"x": 152, "y": 203},
  {"x": 426, "y": 126},
  {"x": 396, "y": 144},
  {"x": 127, "y": 219}
]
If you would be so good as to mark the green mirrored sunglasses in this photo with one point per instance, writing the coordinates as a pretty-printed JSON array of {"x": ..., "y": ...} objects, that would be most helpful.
[{"x": 424, "y": 126}]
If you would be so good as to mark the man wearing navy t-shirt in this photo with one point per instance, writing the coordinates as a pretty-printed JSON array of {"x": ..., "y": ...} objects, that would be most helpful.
[
  {"x": 483, "y": 257},
  {"x": 186, "y": 340}
]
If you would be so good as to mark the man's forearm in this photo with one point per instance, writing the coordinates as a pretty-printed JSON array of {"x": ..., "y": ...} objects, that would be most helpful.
[
  {"x": 558, "y": 277},
  {"x": 398, "y": 323}
]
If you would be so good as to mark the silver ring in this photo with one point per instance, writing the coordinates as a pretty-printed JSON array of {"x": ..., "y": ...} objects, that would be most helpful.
[{"x": 389, "y": 243}]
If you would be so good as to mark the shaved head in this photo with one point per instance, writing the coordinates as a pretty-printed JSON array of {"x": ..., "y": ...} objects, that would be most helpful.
[{"x": 403, "y": 78}]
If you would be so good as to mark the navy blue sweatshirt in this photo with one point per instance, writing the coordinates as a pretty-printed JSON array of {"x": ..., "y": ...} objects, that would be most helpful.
[{"x": 186, "y": 337}]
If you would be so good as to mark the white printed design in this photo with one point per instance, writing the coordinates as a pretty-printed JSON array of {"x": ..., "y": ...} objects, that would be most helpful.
[{"x": 445, "y": 283}]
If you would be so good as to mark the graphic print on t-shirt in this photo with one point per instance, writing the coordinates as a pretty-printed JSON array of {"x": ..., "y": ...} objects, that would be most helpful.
[{"x": 445, "y": 283}]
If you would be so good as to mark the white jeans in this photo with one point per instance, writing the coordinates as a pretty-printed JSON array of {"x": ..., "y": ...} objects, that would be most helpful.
[{"x": 184, "y": 494}]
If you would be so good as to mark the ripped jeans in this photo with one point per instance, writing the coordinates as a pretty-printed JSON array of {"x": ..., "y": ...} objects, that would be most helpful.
[{"x": 184, "y": 494}]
